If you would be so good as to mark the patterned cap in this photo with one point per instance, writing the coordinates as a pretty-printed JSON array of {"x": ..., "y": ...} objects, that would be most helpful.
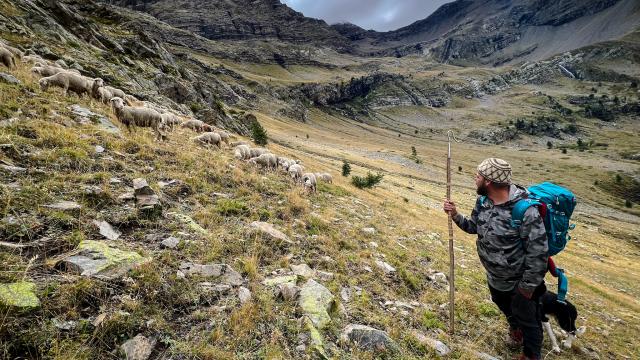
[{"x": 495, "y": 170}]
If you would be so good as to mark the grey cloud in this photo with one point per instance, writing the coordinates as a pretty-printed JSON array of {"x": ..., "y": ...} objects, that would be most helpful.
[{"x": 380, "y": 15}]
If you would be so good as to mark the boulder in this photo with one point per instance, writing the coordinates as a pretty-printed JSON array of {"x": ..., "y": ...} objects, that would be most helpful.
[
  {"x": 369, "y": 231},
  {"x": 287, "y": 292},
  {"x": 100, "y": 260},
  {"x": 190, "y": 223},
  {"x": 278, "y": 280},
  {"x": 388, "y": 269},
  {"x": 19, "y": 295},
  {"x": 316, "y": 301},
  {"x": 107, "y": 230},
  {"x": 9, "y": 79},
  {"x": 438, "y": 346},
  {"x": 170, "y": 242},
  {"x": 367, "y": 338},
  {"x": 303, "y": 270},
  {"x": 223, "y": 273},
  {"x": 138, "y": 348},
  {"x": 244, "y": 295},
  {"x": 64, "y": 206},
  {"x": 268, "y": 229}
]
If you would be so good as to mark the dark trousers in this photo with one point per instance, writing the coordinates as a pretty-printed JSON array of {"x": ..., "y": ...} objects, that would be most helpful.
[{"x": 523, "y": 314}]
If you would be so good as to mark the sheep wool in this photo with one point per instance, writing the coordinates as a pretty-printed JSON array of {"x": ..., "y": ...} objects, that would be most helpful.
[{"x": 133, "y": 116}]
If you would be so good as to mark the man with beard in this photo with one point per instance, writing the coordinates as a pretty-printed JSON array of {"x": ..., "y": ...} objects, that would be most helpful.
[{"x": 515, "y": 259}]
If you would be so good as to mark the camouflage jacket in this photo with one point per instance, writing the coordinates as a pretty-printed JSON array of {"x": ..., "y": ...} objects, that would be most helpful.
[{"x": 511, "y": 257}]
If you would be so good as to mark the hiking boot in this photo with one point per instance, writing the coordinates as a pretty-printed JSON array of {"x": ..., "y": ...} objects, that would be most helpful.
[{"x": 514, "y": 339}]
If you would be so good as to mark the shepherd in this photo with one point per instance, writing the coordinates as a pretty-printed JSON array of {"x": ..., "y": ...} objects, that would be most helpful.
[{"x": 515, "y": 259}]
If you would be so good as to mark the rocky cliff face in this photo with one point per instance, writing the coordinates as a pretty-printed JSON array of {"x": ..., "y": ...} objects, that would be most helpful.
[
  {"x": 241, "y": 20},
  {"x": 495, "y": 32}
]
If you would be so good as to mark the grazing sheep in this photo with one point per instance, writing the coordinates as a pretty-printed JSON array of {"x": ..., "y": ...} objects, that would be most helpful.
[
  {"x": 69, "y": 81},
  {"x": 134, "y": 116},
  {"x": 197, "y": 126},
  {"x": 117, "y": 92},
  {"x": 132, "y": 101},
  {"x": 255, "y": 152},
  {"x": 170, "y": 121},
  {"x": 49, "y": 70},
  {"x": 34, "y": 59},
  {"x": 209, "y": 138},
  {"x": 242, "y": 152},
  {"x": 285, "y": 163},
  {"x": 266, "y": 160},
  {"x": 310, "y": 182},
  {"x": 226, "y": 137},
  {"x": 295, "y": 171},
  {"x": 14, "y": 51},
  {"x": 6, "y": 57},
  {"x": 326, "y": 177},
  {"x": 103, "y": 95}
]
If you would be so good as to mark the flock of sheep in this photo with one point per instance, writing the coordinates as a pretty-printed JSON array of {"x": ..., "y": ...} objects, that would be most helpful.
[
  {"x": 134, "y": 113},
  {"x": 263, "y": 158}
]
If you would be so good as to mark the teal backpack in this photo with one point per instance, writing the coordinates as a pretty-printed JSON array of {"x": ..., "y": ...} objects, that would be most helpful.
[{"x": 556, "y": 205}]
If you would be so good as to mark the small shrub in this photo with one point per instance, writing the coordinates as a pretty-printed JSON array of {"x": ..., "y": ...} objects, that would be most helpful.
[
  {"x": 229, "y": 207},
  {"x": 488, "y": 310},
  {"x": 549, "y": 145},
  {"x": 430, "y": 320},
  {"x": 259, "y": 134},
  {"x": 412, "y": 281},
  {"x": 618, "y": 178},
  {"x": 346, "y": 168},
  {"x": 413, "y": 151},
  {"x": 564, "y": 150},
  {"x": 459, "y": 168},
  {"x": 628, "y": 204},
  {"x": 366, "y": 182}
]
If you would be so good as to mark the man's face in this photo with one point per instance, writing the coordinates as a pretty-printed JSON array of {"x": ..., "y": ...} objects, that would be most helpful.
[{"x": 481, "y": 185}]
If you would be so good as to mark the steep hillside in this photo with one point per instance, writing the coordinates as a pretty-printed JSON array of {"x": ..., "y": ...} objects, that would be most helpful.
[
  {"x": 494, "y": 32},
  {"x": 241, "y": 20},
  {"x": 112, "y": 242}
]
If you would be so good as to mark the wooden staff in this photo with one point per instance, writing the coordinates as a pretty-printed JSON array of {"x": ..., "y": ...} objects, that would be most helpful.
[{"x": 452, "y": 290}]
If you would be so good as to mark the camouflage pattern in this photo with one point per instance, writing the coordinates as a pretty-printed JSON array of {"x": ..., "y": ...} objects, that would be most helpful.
[{"x": 511, "y": 257}]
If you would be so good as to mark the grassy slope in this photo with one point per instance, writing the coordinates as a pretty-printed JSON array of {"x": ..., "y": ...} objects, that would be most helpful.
[{"x": 601, "y": 261}]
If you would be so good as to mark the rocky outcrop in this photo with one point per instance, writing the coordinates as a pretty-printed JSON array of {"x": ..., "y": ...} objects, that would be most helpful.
[
  {"x": 18, "y": 296},
  {"x": 240, "y": 20}
]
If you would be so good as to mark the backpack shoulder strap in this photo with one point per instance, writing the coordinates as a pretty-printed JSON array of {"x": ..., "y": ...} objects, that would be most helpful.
[{"x": 519, "y": 209}]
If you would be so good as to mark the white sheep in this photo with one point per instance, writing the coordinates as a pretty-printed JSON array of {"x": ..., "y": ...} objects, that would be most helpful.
[
  {"x": 255, "y": 152},
  {"x": 326, "y": 177},
  {"x": 226, "y": 137},
  {"x": 33, "y": 59},
  {"x": 197, "y": 125},
  {"x": 69, "y": 81},
  {"x": 209, "y": 138},
  {"x": 285, "y": 163},
  {"x": 170, "y": 121},
  {"x": 17, "y": 53},
  {"x": 242, "y": 152},
  {"x": 134, "y": 116},
  {"x": 50, "y": 70},
  {"x": 295, "y": 171},
  {"x": 266, "y": 160},
  {"x": 6, "y": 57},
  {"x": 310, "y": 182}
]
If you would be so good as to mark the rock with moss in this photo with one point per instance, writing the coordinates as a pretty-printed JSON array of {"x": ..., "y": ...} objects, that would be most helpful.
[
  {"x": 368, "y": 338},
  {"x": 99, "y": 259},
  {"x": 316, "y": 343},
  {"x": 221, "y": 272},
  {"x": 316, "y": 301},
  {"x": 278, "y": 280},
  {"x": 19, "y": 296},
  {"x": 191, "y": 224}
]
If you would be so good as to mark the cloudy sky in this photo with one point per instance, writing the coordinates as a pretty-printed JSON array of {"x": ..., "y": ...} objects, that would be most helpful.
[{"x": 380, "y": 15}]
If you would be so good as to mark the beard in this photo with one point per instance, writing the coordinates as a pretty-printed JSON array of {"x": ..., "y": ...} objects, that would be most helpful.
[{"x": 482, "y": 190}]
